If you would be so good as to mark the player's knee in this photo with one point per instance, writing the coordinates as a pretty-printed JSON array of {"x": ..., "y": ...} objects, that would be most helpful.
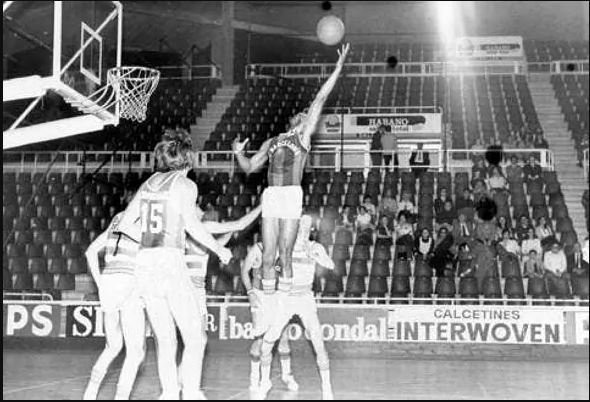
[
  {"x": 284, "y": 350},
  {"x": 114, "y": 346},
  {"x": 135, "y": 356},
  {"x": 266, "y": 353},
  {"x": 255, "y": 351},
  {"x": 322, "y": 360}
]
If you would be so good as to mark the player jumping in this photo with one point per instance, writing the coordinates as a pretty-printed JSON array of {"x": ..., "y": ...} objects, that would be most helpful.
[
  {"x": 282, "y": 201},
  {"x": 253, "y": 263},
  {"x": 165, "y": 208},
  {"x": 124, "y": 319},
  {"x": 300, "y": 301}
]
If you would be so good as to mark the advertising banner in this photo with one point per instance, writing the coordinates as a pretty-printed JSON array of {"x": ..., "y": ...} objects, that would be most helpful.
[
  {"x": 31, "y": 320},
  {"x": 489, "y": 47},
  {"x": 339, "y": 323},
  {"x": 358, "y": 126},
  {"x": 476, "y": 324}
]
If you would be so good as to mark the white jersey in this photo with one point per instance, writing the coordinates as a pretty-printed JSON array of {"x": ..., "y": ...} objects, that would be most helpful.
[{"x": 304, "y": 266}]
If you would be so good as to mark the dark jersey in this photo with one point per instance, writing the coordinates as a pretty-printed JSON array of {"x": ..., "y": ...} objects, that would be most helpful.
[{"x": 287, "y": 157}]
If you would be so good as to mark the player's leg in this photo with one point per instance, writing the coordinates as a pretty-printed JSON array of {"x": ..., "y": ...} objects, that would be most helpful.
[
  {"x": 187, "y": 315},
  {"x": 255, "y": 351},
  {"x": 113, "y": 346},
  {"x": 202, "y": 300},
  {"x": 133, "y": 325},
  {"x": 278, "y": 321},
  {"x": 309, "y": 317},
  {"x": 270, "y": 234},
  {"x": 285, "y": 358},
  {"x": 287, "y": 237},
  {"x": 164, "y": 331}
]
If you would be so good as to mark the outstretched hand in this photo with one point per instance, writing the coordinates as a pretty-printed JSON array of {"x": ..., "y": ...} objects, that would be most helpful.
[
  {"x": 342, "y": 53},
  {"x": 238, "y": 146}
]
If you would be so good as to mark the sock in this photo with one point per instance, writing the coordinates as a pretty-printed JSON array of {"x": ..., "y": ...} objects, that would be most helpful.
[
  {"x": 265, "y": 365},
  {"x": 285, "y": 284},
  {"x": 254, "y": 372},
  {"x": 325, "y": 376},
  {"x": 285, "y": 365},
  {"x": 268, "y": 286}
]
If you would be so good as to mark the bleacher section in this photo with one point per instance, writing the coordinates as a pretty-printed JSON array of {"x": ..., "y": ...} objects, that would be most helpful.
[
  {"x": 572, "y": 95},
  {"x": 488, "y": 108},
  {"x": 51, "y": 234},
  {"x": 542, "y": 51}
]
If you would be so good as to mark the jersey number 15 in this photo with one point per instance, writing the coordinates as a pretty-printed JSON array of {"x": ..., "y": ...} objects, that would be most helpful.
[{"x": 152, "y": 222}]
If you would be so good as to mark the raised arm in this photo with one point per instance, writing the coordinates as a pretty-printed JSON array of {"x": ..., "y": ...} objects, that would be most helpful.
[
  {"x": 315, "y": 110},
  {"x": 233, "y": 226},
  {"x": 320, "y": 256},
  {"x": 92, "y": 256},
  {"x": 256, "y": 162}
]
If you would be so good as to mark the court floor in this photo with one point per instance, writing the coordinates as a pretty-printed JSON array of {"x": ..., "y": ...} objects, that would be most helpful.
[{"x": 61, "y": 373}]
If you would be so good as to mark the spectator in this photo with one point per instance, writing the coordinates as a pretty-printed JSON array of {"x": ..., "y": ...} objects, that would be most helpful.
[
  {"x": 522, "y": 229},
  {"x": 377, "y": 147},
  {"x": 575, "y": 262},
  {"x": 465, "y": 261},
  {"x": 465, "y": 204},
  {"x": 389, "y": 141},
  {"x": 532, "y": 171},
  {"x": 388, "y": 206},
  {"x": 531, "y": 243},
  {"x": 496, "y": 181},
  {"x": 384, "y": 234},
  {"x": 439, "y": 203},
  {"x": 370, "y": 207},
  {"x": 210, "y": 214},
  {"x": 478, "y": 149},
  {"x": 509, "y": 244},
  {"x": 403, "y": 231},
  {"x": 514, "y": 172},
  {"x": 347, "y": 219},
  {"x": 485, "y": 262},
  {"x": 441, "y": 256},
  {"x": 555, "y": 265},
  {"x": 406, "y": 204},
  {"x": 424, "y": 245},
  {"x": 544, "y": 231},
  {"x": 533, "y": 266},
  {"x": 502, "y": 223},
  {"x": 480, "y": 190},
  {"x": 419, "y": 158},
  {"x": 463, "y": 229},
  {"x": 485, "y": 231},
  {"x": 539, "y": 141},
  {"x": 447, "y": 216},
  {"x": 479, "y": 171},
  {"x": 363, "y": 221}
]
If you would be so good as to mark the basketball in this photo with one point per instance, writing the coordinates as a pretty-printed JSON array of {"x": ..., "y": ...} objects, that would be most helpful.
[{"x": 330, "y": 30}]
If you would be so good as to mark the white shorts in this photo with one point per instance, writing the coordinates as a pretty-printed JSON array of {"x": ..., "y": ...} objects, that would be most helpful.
[
  {"x": 117, "y": 291},
  {"x": 303, "y": 304},
  {"x": 282, "y": 202},
  {"x": 162, "y": 272}
]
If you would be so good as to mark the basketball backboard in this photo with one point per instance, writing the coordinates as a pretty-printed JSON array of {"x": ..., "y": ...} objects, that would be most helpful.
[{"x": 65, "y": 47}]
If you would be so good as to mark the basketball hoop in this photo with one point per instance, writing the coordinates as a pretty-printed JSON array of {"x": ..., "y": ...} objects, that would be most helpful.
[{"x": 134, "y": 86}]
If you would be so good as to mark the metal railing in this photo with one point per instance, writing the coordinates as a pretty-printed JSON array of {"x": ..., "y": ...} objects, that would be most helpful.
[
  {"x": 434, "y": 68},
  {"x": 382, "y": 69},
  {"x": 381, "y": 109},
  {"x": 185, "y": 72},
  {"x": 358, "y": 302},
  {"x": 323, "y": 156}
]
